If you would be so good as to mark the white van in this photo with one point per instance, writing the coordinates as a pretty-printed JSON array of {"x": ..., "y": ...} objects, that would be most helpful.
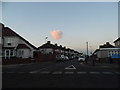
[{"x": 81, "y": 58}]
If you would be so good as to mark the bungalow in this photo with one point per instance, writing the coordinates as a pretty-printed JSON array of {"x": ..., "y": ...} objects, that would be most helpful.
[
  {"x": 117, "y": 46},
  {"x": 105, "y": 51},
  {"x": 13, "y": 45},
  {"x": 47, "y": 48}
]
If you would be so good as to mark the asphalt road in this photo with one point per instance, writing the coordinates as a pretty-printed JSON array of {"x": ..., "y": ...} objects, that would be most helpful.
[{"x": 67, "y": 74}]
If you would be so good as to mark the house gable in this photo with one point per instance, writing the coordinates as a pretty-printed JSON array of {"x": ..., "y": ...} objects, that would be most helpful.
[{"x": 7, "y": 32}]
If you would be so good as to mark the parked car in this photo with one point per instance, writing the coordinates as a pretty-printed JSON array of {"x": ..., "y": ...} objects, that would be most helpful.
[
  {"x": 60, "y": 57},
  {"x": 81, "y": 58},
  {"x": 71, "y": 57},
  {"x": 66, "y": 58},
  {"x": 97, "y": 58}
]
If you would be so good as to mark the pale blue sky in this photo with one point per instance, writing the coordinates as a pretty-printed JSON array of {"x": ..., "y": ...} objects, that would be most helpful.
[{"x": 95, "y": 22}]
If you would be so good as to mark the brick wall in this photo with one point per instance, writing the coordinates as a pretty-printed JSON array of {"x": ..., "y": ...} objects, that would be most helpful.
[{"x": 39, "y": 58}]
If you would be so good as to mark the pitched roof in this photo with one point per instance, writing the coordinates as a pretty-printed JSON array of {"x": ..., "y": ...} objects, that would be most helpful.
[
  {"x": 6, "y": 31},
  {"x": 107, "y": 45},
  {"x": 117, "y": 40},
  {"x": 22, "y": 46},
  {"x": 95, "y": 51},
  {"x": 47, "y": 45}
]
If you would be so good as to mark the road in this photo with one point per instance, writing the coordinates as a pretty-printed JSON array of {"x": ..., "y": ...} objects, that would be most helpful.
[{"x": 67, "y": 74}]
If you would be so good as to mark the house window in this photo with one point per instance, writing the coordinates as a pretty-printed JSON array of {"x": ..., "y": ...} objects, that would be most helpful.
[
  {"x": 9, "y": 44},
  {"x": 112, "y": 52},
  {"x": 115, "y": 52},
  {"x": 10, "y": 40},
  {"x": 21, "y": 53},
  {"x": 7, "y": 53},
  {"x": 3, "y": 53}
]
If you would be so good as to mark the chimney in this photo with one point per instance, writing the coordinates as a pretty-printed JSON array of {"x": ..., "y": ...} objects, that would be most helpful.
[
  {"x": 61, "y": 46},
  {"x": 48, "y": 42},
  {"x": 64, "y": 47},
  {"x": 1, "y": 26},
  {"x": 56, "y": 44},
  {"x": 107, "y": 43}
]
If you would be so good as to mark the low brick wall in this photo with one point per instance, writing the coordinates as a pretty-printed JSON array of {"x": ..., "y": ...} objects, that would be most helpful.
[
  {"x": 107, "y": 60},
  {"x": 16, "y": 61},
  {"x": 45, "y": 57},
  {"x": 40, "y": 58}
]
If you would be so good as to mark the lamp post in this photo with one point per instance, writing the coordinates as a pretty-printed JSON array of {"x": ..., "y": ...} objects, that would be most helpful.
[{"x": 46, "y": 39}]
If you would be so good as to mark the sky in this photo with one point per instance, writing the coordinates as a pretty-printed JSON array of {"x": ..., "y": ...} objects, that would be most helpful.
[{"x": 79, "y": 22}]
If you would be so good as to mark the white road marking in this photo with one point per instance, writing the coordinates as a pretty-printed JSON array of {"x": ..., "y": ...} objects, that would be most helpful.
[
  {"x": 33, "y": 72},
  {"x": 9, "y": 72},
  {"x": 117, "y": 72},
  {"x": 107, "y": 72},
  {"x": 45, "y": 72},
  {"x": 70, "y": 67},
  {"x": 21, "y": 72},
  {"x": 69, "y": 72},
  {"x": 60, "y": 72},
  {"x": 81, "y": 72},
  {"x": 57, "y": 73},
  {"x": 36, "y": 71},
  {"x": 94, "y": 72}
]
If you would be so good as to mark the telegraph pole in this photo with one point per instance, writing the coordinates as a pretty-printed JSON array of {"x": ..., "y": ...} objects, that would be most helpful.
[{"x": 91, "y": 50}]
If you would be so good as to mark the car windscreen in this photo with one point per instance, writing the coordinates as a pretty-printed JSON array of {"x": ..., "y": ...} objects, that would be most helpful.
[{"x": 81, "y": 56}]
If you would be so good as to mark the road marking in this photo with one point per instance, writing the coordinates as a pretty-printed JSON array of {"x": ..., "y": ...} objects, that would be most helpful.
[
  {"x": 94, "y": 72},
  {"x": 117, "y": 72},
  {"x": 9, "y": 72},
  {"x": 107, "y": 72},
  {"x": 69, "y": 72},
  {"x": 70, "y": 67},
  {"x": 45, "y": 72},
  {"x": 33, "y": 72},
  {"x": 57, "y": 73},
  {"x": 21, "y": 72},
  {"x": 36, "y": 71},
  {"x": 81, "y": 72}
]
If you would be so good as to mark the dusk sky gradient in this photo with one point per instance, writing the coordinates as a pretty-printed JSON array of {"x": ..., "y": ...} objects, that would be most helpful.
[{"x": 79, "y": 22}]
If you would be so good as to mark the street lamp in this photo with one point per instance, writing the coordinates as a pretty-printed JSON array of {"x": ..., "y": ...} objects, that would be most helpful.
[{"x": 46, "y": 39}]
